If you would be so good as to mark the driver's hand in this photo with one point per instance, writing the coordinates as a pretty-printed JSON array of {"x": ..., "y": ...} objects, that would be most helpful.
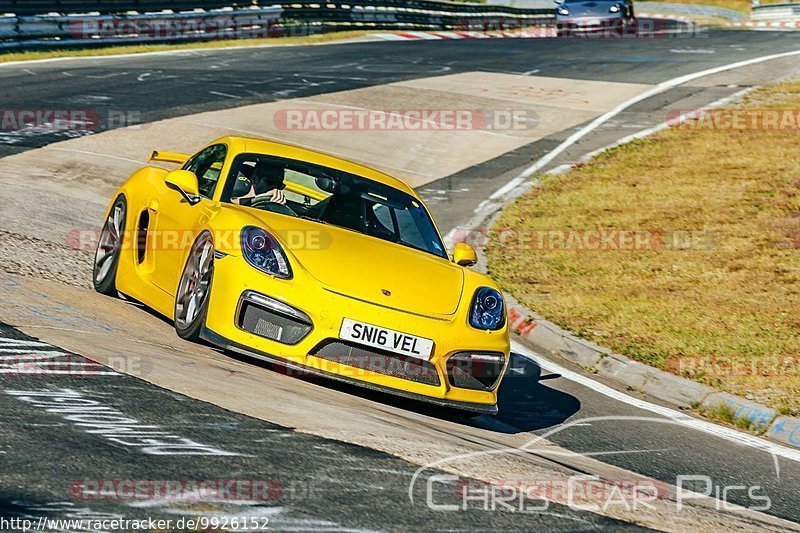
[{"x": 276, "y": 196}]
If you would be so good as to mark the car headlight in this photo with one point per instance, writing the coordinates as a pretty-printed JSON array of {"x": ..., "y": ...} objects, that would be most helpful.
[
  {"x": 262, "y": 251},
  {"x": 563, "y": 11},
  {"x": 614, "y": 8},
  {"x": 488, "y": 311}
]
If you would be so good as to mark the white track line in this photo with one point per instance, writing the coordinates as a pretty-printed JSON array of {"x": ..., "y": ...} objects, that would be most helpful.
[
  {"x": 226, "y": 95},
  {"x": 691, "y": 422},
  {"x": 599, "y": 121},
  {"x": 683, "y": 117},
  {"x": 694, "y": 423}
]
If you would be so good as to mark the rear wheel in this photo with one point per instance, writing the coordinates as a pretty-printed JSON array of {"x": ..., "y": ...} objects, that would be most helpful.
[
  {"x": 106, "y": 259},
  {"x": 194, "y": 288}
]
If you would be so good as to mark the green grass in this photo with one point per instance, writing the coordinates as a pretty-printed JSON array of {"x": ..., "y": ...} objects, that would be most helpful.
[
  {"x": 723, "y": 413},
  {"x": 736, "y": 5},
  {"x": 716, "y": 297},
  {"x": 144, "y": 48}
]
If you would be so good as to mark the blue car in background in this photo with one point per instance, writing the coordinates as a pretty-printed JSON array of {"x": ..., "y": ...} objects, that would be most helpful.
[{"x": 579, "y": 16}]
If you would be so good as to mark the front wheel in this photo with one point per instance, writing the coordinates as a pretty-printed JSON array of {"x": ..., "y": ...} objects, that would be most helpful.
[
  {"x": 194, "y": 289},
  {"x": 106, "y": 259}
]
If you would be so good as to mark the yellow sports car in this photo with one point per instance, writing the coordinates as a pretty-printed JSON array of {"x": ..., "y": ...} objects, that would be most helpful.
[{"x": 310, "y": 261}]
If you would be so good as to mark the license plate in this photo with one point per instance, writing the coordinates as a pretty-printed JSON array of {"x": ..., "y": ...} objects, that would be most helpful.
[
  {"x": 590, "y": 22},
  {"x": 386, "y": 339}
]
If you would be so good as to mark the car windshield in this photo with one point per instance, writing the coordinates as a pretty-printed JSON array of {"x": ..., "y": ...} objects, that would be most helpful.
[{"x": 330, "y": 196}]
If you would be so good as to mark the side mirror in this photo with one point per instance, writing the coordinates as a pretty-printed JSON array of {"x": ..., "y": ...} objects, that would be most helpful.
[
  {"x": 185, "y": 183},
  {"x": 464, "y": 255}
]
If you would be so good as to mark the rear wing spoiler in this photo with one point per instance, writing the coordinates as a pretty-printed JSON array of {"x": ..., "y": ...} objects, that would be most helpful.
[{"x": 168, "y": 157}]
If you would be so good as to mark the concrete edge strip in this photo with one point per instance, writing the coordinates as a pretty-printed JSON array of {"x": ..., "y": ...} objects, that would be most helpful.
[{"x": 675, "y": 390}]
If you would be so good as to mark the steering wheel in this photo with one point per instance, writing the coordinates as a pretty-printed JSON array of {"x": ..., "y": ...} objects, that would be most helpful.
[{"x": 265, "y": 204}]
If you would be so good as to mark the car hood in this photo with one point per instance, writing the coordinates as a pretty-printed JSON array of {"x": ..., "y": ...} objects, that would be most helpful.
[{"x": 367, "y": 268}]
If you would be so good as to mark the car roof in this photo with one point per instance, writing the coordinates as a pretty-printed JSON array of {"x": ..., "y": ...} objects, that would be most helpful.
[{"x": 262, "y": 146}]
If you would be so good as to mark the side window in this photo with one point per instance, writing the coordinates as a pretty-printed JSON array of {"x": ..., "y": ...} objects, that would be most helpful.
[{"x": 207, "y": 166}]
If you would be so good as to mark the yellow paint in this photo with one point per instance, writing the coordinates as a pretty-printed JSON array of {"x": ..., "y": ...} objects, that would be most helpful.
[{"x": 337, "y": 273}]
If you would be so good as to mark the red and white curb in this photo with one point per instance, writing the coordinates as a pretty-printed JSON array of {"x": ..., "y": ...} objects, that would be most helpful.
[
  {"x": 530, "y": 33},
  {"x": 771, "y": 24},
  {"x": 559, "y": 343},
  {"x": 546, "y": 32},
  {"x": 535, "y": 32},
  {"x": 777, "y": 24},
  {"x": 663, "y": 16}
]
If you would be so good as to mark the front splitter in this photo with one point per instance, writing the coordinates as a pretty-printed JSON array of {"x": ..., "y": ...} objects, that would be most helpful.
[{"x": 226, "y": 344}]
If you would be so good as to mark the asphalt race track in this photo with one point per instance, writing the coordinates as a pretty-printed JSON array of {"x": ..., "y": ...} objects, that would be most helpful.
[{"x": 315, "y": 480}]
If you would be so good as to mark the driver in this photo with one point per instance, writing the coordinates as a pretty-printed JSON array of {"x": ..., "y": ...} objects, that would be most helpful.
[{"x": 267, "y": 182}]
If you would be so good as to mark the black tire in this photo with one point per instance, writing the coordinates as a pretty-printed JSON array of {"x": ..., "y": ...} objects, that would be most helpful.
[
  {"x": 106, "y": 258},
  {"x": 194, "y": 289}
]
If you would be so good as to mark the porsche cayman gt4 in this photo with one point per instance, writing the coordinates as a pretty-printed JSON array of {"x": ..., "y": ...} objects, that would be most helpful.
[
  {"x": 577, "y": 17},
  {"x": 309, "y": 261}
]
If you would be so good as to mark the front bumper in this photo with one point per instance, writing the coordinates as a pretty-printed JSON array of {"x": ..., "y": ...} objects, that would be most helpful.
[
  {"x": 222, "y": 342},
  {"x": 325, "y": 310},
  {"x": 589, "y": 24}
]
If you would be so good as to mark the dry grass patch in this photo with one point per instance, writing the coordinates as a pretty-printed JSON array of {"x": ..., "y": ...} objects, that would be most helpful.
[
  {"x": 716, "y": 295},
  {"x": 144, "y": 48},
  {"x": 736, "y": 5}
]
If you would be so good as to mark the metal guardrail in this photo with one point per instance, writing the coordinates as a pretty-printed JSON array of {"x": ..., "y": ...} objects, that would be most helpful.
[
  {"x": 107, "y": 7},
  {"x": 298, "y": 18},
  {"x": 775, "y": 12},
  {"x": 81, "y": 30},
  {"x": 65, "y": 31},
  {"x": 410, "y": 14},
  {"x": 695, "y": 10}
]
